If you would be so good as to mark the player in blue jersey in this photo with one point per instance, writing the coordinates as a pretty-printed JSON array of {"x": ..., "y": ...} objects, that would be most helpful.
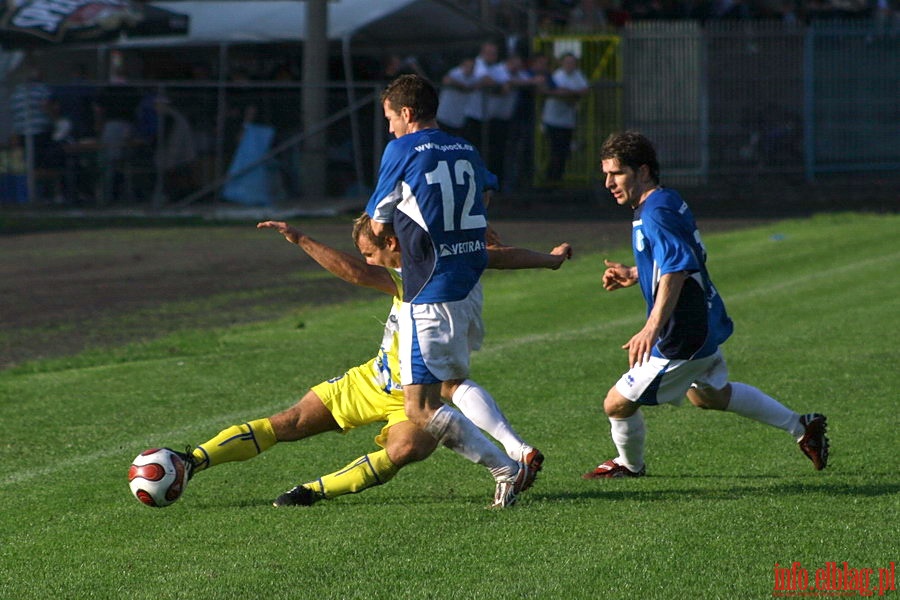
[
  {"x": 429, "y": 194},
  {"x": 370, "y": 392},
  {"x": 677, "y": 352}
]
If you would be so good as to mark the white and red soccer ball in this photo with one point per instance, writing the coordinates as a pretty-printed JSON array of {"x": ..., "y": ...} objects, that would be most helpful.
[{"x": 157, "y": 477}]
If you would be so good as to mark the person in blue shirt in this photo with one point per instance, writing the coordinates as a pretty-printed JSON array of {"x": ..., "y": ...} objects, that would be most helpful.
[
  {"x": 676, "y": 352},
  {"x": 429, "y": 195}
]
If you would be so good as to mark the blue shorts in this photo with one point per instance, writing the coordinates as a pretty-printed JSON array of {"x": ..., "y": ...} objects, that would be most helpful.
[
  {"x": 663, "y": 380},
  {"x": 436, "y": 339}
]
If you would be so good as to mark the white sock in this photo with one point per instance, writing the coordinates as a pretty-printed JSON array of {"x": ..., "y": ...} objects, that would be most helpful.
[
  {"x": 628, "y": 436},
  {"x": 752, "y": 403},
  {"x": 452, "y": 429},
  {"x": 479, "y": 406}
]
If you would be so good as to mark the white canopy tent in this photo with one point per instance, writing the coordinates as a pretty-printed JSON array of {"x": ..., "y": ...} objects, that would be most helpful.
[
  {"x": 373, "y": 23},
  {"x": 358, "y": 26},
  {"x": 354, "y": 28}
]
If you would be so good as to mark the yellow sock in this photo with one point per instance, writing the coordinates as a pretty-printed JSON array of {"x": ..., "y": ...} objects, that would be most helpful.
[
  {"x": 364, "y": 472},
  {"x": 238, "y": 442}
]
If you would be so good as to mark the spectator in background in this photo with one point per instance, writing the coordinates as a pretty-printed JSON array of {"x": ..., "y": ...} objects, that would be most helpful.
[
  {"x": 242, "y": 107},
  {"x": 147, "y": 117},
  {"x": 517, "y": 152},
  {"x": 501, "y": 101},
  {"x": 587, "y": 16},
  {"x": 456, "y": 90},
  {"x": 62, "y": 127},
  {"x": 27, "y": 104},
  {"x": 565, "y": 88},
  {"x": 476, "y": 109},
  {"x": 54, "y": 154},
  {"x": 520, "y": 152},
  {"x": 30, "y": 122},
  {"x": 177, "y": 150},
  {"x": 395, "y": 66},
  {"x": 116, "y": 134},
  {"x": 539, "y": 66},
  {"x": 75, "y": 100}
]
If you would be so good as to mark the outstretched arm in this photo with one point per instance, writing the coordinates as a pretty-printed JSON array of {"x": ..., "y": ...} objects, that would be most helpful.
[
  {"x": 501, "y": 256},
  {"x": 511, "y": 257},
  {"x": 346, "y": 266}
]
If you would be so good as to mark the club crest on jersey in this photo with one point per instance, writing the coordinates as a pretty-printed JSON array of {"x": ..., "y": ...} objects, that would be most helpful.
[
  {"x": 462, "y": 248},
  {"x": 639, "y": 240}
]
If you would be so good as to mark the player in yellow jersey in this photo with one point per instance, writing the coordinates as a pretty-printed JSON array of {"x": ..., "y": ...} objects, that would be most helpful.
[{"x": 370, "y": 392}]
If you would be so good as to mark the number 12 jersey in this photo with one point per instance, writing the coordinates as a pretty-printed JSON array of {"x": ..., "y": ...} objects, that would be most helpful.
[{"x": 430, "y": 186}]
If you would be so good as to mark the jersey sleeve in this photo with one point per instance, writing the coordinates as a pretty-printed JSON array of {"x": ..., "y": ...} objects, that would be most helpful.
[
  {"x": 672, "y": 252},
  {"x": 388, "y": 194}
]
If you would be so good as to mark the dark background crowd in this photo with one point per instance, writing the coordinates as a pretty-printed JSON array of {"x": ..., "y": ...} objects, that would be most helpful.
[
  {"x": 580, "y": 15},
  {"x": 148, "y": 125}
]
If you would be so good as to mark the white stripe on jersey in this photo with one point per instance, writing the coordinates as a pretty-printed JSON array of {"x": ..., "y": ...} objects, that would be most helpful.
[
  {"x": 384, "y": 209},
  {"x": 409, "y": 206},
  {"x": 657, "y": 275}
]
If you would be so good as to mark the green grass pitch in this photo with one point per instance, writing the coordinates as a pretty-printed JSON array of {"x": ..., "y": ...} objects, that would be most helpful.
[{"x": 816, "y": 307}]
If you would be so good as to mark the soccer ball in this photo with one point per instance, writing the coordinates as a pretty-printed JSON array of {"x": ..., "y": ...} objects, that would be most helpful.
[{"x": 157, "y": 477}]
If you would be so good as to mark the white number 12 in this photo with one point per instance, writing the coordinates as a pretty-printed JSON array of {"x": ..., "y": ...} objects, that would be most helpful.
[{"x": 465, "y": 175}]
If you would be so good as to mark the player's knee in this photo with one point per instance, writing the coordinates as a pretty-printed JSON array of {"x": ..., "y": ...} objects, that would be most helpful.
[
  {"x": 418, "y": 416},
  {"x": 406, "y": 449},
  {"x": 421, "y": 402},
  {"x": 448, "y": 388},
  {"x": 617, "y": 406},
  {"x": 306, "y": 418}
]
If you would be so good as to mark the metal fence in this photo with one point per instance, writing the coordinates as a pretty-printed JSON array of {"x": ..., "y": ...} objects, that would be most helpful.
[
  {"x": 123, "y": 153},
  {"x": 769, "y": 97},
  {"x": 735, "y": 100},
  {"x": 742, "y": 98}
]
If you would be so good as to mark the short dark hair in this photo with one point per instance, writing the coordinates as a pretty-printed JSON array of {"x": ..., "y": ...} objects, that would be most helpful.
[
  {"x": 631, "y": 149},
  {"x": 362, "y": 226},
  {"x": 414, "y": 92}
]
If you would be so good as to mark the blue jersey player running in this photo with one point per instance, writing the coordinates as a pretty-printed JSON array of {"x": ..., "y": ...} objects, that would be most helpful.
[
  {"x": 429, "y": 192},
  {"x": 677, "y": 352}
]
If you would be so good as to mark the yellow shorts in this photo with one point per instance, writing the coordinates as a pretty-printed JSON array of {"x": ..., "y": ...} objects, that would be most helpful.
[{"x": 356, "y": 399}]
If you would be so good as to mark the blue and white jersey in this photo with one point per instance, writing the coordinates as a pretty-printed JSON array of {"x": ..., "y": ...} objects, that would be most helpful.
[
  {"x": 665, "y": 240},
  {"x": 429, "y": 186}
]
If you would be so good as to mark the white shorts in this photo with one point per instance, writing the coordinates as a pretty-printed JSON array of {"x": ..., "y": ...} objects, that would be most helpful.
[
  {"x": 662, "y": 380},
  {"x": 436, "y": 339}
]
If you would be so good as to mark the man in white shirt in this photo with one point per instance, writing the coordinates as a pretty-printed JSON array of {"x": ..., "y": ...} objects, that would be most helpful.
[
  {"x": 457, "y": 87},
  {"x": 567, "y": 86},
  {"x": 476, "y": 108}
]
